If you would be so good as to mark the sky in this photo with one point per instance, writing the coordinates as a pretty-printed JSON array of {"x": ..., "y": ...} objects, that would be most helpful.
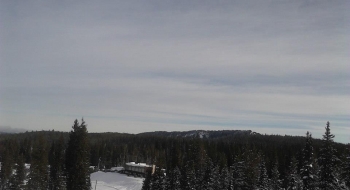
[{"x": 273, "y": 67}]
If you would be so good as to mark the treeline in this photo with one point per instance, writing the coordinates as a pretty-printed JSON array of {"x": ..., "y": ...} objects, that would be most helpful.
[
  {"x": 257, "y": 168},
  {"x": 227, "y": 161},
  {"x": 55, "y": 164}
]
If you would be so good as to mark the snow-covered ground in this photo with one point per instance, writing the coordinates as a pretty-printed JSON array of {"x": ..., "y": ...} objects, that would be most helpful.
[{"x": 112, "y": 180}]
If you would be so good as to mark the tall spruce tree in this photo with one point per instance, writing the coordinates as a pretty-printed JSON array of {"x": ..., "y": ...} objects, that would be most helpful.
[
  {"x": 6, "y": 167},
  {"x": 225, "y": 178},
  {"x": 173, "y": 178},
  {"x": 306, "y": 172},
  {"x": 294, "y": 181},
  {"x": 57, "y": 175},
  {"x": 146, "y": 185},
  {"x": 77, "y": 158},
  {"x": 275, "y": 178},
  {"x": 238, "y": 175},
  {"x": 17, "y": 180},
  {"x": 38, "y": 178},
  {"x": 263, "y": 180},
  {"x": 8, "y": 161},
  {"x": 157, "y": 180},
  {"x": 345, "y": 172},
  {"x": 327, "y": 162}
]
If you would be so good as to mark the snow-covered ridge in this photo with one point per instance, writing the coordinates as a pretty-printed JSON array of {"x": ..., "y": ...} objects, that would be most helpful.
[{"x": 204, "y": 134}]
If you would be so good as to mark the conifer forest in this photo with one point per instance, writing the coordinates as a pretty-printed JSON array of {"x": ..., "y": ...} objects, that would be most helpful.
[{"x": 217, "y": 160}]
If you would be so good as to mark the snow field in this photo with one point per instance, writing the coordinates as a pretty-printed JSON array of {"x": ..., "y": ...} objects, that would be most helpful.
[{"x": 117, "y": 181}]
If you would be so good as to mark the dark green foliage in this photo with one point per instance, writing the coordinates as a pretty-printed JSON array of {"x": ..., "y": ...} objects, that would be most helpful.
[
  {"x": 263, "y": 181},
  {"x": 8, "y": 160},
  {"x": 77, "y": 158},
  {"x": 294, "y": 181},
  {"x": 225, "y": 161},
  {"x": 275, "y": 178},
  {"x": 188, "y": 177},
  {"x": 239, "y": 178},
  {"x": 345, "y": 172},
  {"x": 57, "y": 175},
  {"x": 252, "y": 161},
  {"x": 146, "y": 185},
  {"x": 307, "y": 171},
  {"x": 173, "y": 178},
  {"x": 17, "y": 180},
  {"x": 6, "y": 168},
  {"x": 158, "y": 180},
  {"x": 225, "y": 179},
  {"x": 38, "y": 177},
  {"x": 327, "y": 162},
  {"x": 210, "y": 176}
]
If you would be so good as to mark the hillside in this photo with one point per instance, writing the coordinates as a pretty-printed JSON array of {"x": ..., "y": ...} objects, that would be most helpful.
[{"x": 205, "y": 134}]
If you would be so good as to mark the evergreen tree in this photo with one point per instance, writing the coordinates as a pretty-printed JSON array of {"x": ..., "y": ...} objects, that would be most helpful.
[
  {"x": 294, "y": 181},
  {"x": 173, "y": 178},
  {"x": 188, "y": 177},
  {"x": 6, "y": 167},
  {"x": 327, "y": 162},
  {"x": 306, "y": 172},
  {"x": 77, "y": 158},
  {"x": 345, "y": 173},
  {"x": 238, "y": 175},
  {"x": 225, "y": 179},
  {"x": 251, "y": 158},
  {"x": 57, "y": 175},
  {"x": 17, "y": 180},
  {"x": 157, "y": 180},
  {"x": 209, "y": 175},
  {"x": 275, "y": 178},
  {"x": 38, "y": 177},
  {"x": 146, "y": 185},
  {"x": 263, "y": 181}
]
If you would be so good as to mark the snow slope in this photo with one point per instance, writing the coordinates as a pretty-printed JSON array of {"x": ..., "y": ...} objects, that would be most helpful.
[{"x": 111, "y": 180}]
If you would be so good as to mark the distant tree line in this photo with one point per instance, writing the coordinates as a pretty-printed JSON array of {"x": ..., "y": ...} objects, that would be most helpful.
[
  {"x": 249, "y": 169},
  {"x": 59, "y": 166},
  {"x": 246, "y": 161}
]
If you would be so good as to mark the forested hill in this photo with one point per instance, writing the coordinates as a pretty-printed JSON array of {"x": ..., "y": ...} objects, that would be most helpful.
[
  {"x": 202, "y": 134},
  {"x": 184, "y": 150}
]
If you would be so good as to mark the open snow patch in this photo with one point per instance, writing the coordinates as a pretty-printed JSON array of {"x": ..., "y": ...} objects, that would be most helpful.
[{"x": 111, "y": 180}]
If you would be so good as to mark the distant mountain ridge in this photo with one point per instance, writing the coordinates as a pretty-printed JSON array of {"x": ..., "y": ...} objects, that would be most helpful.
[
  {"x": 8, "y": 129},
  {"x": 204, "y": 134}
]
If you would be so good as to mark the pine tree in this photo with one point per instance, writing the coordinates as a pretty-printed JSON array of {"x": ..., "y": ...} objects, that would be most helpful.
[
  {"x": 188, "y": 177},
  {"x": 6, "y": 168},
  {"x": 157, "y": 180},
  {"x": 77, "y": 158},
  {"x": 209, "y": 176},
  {"x": 225, "y": 179},
  {"x": 146, "y": 185},
  {"x": 327, "y": 162},
  {"x": 17, "y": 180},
  {"x": 238, "y": 175},
  {"x": 38, "y": 177},
  {"x": 345, "y": 173},
  {"x": 57, "y": 175},
  {"x": 8, "y": 160},
  {"x": 275, "y": 178},
  {"x": 173, "y": 178},
  {"x": 294, "y": 181},
  {"x": 307, "y": 174},
  {"x": 252, "y": 162},
  {"x": 263, "y": 181}
]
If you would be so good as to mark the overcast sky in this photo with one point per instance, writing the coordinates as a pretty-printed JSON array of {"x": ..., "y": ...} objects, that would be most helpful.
[{"x": 275, "y": 67}]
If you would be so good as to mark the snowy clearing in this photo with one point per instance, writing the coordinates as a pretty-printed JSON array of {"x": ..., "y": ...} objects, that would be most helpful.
[{"x": 111, "y": 180}]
